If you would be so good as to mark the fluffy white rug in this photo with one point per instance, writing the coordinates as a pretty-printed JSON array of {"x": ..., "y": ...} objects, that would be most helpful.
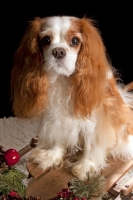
[{"x": 17, "y": 133}]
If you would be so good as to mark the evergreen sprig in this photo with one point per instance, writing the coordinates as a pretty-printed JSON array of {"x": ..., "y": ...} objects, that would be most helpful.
[
  {"x": 92, "y": 188},
  {"x": 12, "y": 180}
]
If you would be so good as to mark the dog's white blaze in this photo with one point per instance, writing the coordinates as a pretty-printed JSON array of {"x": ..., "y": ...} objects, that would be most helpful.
[{"x": 59, "y": 26}]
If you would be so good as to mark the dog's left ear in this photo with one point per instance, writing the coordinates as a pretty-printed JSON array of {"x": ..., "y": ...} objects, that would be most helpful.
[
  {"x": 88, "y": 83},
  {"x": 28, "y": 79}
]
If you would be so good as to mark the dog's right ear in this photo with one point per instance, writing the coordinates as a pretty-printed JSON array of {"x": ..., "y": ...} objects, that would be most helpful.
[{"x": 29, "y": 83}]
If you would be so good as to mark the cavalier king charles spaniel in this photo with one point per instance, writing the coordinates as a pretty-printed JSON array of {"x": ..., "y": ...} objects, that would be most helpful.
[{"x": 63, "y": 76}]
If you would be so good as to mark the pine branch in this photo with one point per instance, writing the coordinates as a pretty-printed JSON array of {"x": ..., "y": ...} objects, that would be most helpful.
[
  {"x": 92, "y": 188},
  {"x": 12, "y": 180}
]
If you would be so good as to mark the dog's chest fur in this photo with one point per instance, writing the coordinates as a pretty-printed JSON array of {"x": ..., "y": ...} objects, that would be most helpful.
[
  {"x": 59, "y": 116},
  {"x": 59, "y": 99}
]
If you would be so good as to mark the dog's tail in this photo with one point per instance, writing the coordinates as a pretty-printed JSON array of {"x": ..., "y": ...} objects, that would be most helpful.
[{"x": 126, "y": 92}]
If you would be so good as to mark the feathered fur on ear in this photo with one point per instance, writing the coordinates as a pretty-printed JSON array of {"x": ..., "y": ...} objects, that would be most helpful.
[
  {"x": 28, "y": 80},
  {"x": 88, "y": 83}
]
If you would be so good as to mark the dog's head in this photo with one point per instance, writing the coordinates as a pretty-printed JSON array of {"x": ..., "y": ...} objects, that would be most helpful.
[
  {"x": 67, "y": 46},
  {"x": 60, "y": 40}
]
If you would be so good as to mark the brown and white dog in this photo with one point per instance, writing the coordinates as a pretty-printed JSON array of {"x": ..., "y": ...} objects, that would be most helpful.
[{"x": 62, "y": 74}]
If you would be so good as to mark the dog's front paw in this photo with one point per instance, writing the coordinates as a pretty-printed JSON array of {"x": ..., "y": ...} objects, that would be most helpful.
[
  {"x": 47, "y": 158},
  {"x": 83, "y": 168}
]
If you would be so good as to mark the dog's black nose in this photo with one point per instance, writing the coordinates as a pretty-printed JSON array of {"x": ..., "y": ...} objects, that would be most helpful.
[{"x": 59, "y": 52}]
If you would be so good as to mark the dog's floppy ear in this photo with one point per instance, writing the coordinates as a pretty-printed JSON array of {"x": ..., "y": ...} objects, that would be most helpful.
[
  {"x": 28, "y": 80},
  {"x": 88, "y": 83}
]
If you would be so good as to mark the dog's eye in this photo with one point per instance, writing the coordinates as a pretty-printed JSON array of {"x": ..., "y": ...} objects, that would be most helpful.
[
  {"x": 74, "y": 42},
  {"x": 45, "y": 40}
]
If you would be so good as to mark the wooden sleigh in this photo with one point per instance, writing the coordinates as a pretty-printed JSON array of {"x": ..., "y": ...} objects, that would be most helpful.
[
  {"x": 46, "y": 184},
  {"x": 118, "y": 177}
]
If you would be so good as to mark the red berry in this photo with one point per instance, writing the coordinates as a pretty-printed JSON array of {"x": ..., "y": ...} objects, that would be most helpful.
[
  {"x": 11, "y": 157},
  {"x": 75, "y": 198},
  {"x": 59, "y": 194},
  {"x": 13, "y": 194}
]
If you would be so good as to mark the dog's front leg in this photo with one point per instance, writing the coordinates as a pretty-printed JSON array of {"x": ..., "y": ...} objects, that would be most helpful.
[
  {"x": 92, "y": 161},
  {"x": 47, "y": 158}
]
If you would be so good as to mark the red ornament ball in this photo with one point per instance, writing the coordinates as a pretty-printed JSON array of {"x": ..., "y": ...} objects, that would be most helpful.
[{"x": 11, "y": 157}]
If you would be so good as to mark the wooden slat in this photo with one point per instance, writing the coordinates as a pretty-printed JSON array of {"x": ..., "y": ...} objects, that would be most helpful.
[
  {"x": 127, "y": 188},
  {"x": 35, "y": 171},
  {"x": 129, "y": 87},
  {"x": 47, "y": 186},
  {"x": 115, "y": 172}
]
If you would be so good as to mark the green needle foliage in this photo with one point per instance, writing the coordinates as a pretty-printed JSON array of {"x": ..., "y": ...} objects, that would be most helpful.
[
  {"x": 12, "y": 180},
  {"x": 92, "y": 188}
]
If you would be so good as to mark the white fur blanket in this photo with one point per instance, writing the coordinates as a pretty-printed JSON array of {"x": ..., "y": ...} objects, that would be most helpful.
[{"x": 17, "y": 133}]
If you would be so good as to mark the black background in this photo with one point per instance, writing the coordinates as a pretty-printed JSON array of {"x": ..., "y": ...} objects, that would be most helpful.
[{"x": 114, "y": 19}]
